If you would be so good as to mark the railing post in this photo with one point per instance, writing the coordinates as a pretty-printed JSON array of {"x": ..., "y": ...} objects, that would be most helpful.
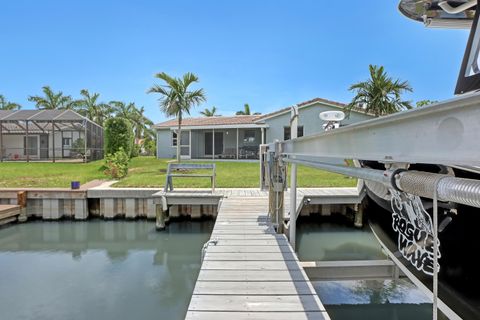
[
  {"x": 27, "y": 144},
  {"x": 293, "y": 180},
  {"x": 1, "y": 142},
  {"x": 53, "y": 141}
]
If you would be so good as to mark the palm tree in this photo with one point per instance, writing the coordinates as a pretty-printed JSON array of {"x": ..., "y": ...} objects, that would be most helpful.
[
  {"x": 177, "y": 98},
  {"x": 140, "y": 123},
  {"x": 209, "y": 112},
  {"x": 422, "y": 103},
  {"x": 52, "y": 100},
  {"x": 89, "y": 107},
  {"x": 246, "y": 111},
  {"x": 7, "y": 105},
  {"x": 122, "y": 109},
  {"x": 380, "y": 95}
]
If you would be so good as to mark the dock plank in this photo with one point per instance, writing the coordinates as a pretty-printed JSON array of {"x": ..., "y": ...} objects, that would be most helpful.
[
  {"x": 209, "y": 315},
  {"x": 251, "y": 265},
  {"x": 255, "y": 303},
  {"x": 250, "y": 256},
  {"x": 251, "y": 275},
  {"x": 254, "y": 288}
]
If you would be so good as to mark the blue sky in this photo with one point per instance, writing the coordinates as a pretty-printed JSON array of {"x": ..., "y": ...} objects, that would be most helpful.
[{"x": 269, "y": 53}]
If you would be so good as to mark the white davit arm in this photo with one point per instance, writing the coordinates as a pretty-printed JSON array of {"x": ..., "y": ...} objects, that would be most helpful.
[{"x": 454, "y": 10}]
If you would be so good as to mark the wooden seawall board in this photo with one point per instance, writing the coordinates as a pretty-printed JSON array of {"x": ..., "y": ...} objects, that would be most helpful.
[{"x": 251, "y": 272}]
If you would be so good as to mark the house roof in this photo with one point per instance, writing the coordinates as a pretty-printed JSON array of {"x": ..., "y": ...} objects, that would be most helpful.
[
  {"x": 14, "y": 121},
  {"x": 246, "y": 120},
  {"x": 306, "y": 104},
  {"x": 210, "y": 121},
  {"x": 40, "y": 115}
]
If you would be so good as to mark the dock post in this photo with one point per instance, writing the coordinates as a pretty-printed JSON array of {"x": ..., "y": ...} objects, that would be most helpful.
[
  {"x": 22, "y": 202},
  {"x": 161, "y": 214},
  {"x": 293, "y": 179},
  {"x": 358, "y": 216}
]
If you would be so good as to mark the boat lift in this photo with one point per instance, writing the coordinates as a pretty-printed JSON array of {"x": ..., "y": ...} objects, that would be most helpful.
[{"x": 445, "y": 133}]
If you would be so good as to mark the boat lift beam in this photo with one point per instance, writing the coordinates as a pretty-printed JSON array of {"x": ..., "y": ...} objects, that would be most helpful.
[{"x": 443, "y": 133}]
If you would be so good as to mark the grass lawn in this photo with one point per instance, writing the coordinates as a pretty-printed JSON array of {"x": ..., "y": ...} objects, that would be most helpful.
[{"x": 150, "y": 172}]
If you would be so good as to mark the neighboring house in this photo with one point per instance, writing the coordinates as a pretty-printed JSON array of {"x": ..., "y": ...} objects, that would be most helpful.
[
  {"x": 29, "y": 135},
  {"x": 239, "y": 137}
]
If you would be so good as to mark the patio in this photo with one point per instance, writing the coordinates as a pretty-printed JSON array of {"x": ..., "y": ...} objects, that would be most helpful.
[
  {"x": 229, "y": 143},
  {"x": 49, "y": 135}
]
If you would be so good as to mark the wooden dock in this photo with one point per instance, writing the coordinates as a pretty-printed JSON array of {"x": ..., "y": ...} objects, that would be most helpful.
[
  {"x": 249, "y": 271},
  {"x": 9, "y": 213},
  {"x": 185, "y": 196}
]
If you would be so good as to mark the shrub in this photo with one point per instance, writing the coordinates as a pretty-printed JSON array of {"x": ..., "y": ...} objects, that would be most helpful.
[
  {"x": 118, "y": 134},
  {"x": 150, "y": 147},
  {"x": 116, "y": 165},
  {"x": 135, "y": 151}
]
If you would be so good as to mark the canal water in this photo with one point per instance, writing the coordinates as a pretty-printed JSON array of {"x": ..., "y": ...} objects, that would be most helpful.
[
  {"x": 99, "y": 269},
  {"x": 127, "y": 270},
  {"x": 335, "y": 239}
]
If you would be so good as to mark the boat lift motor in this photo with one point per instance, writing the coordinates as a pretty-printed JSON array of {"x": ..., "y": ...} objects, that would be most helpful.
[{"x": 332, "y": 119}]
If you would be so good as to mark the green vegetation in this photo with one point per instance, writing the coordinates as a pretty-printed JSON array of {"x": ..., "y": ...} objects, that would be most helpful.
[
  {"x": 177, "y": 98},
  {"x": 118, "y": 134},
  {"x": 210, "y": 112},
  {"x": 8, "y": 105},
  {"x": 116, "y": 164},
  {"x": 52, "y": 100},
  {"x": 150, "y": 172},
  {"x": 246, "y": 111},
  {"x": 380, "y": 95},
  {"x": 423, "y": 103},
  {"x": 48, "y": 175}
]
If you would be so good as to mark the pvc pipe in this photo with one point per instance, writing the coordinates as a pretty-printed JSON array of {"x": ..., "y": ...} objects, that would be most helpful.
[
  {"x": 454, "y": 10},
  {"x": 423, "y": 184}
]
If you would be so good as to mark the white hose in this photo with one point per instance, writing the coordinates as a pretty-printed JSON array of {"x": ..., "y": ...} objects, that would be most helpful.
[{"x": 454, "y": 10}]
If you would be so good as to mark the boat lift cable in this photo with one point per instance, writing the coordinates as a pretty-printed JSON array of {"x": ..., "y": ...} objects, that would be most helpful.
[
  {"x": 423, "y": 184},
  {"x": 435, "y": 249}
]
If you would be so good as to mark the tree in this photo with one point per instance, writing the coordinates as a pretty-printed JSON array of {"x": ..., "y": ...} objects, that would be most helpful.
[
  {"x": 89, "y": 107},
  {"x": 176, "y": 98},
  {"x": 140, "y": 123},
  {"x": 52, "y": 100},
  {"x": 7, "y": 105},
  {"x": 246, "y": 111},
  {"x": 209, "y": 112},
  {"x": 422, "y": 103},
  {"x": 380, "y": 95},
  {"x": 118, "y": 134}
]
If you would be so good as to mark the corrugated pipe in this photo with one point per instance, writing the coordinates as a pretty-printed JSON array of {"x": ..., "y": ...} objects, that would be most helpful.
[{"x": 458, "y": 190}]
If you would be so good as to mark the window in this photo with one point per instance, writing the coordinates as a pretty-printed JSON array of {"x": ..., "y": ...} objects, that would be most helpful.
[
  {"x": 66, "y": 141},
  {"x": 286, "y": 132},
  {"x": 249, "y": 136},
  {"x": 174, "y": 139}
]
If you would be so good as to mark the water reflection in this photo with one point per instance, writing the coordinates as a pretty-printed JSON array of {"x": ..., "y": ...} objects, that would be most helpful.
[
  {"x": 99, "y": 270},
  {"x": 374, "y": 299},
  {"x": 332, "y": 241}
]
